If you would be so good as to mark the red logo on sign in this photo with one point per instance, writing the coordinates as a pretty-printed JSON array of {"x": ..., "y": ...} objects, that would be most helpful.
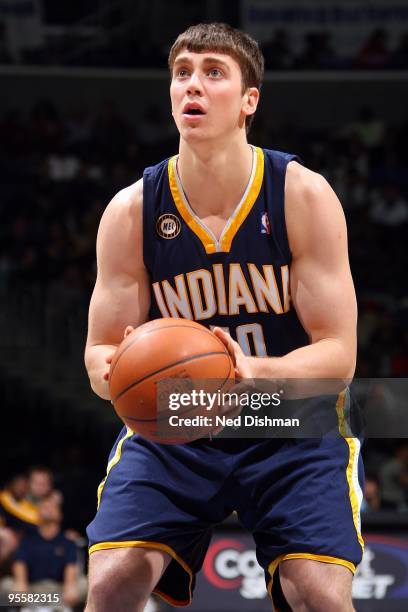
[{"x": 222, "y": 564}]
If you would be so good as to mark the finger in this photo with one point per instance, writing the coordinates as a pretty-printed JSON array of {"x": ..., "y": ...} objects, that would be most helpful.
[
  {"x": 228, "y": 342},
  {"x": 222, "y": 335}
]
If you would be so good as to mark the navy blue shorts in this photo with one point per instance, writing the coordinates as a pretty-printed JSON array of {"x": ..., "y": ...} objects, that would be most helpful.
[{"x": 299, "y": 498}]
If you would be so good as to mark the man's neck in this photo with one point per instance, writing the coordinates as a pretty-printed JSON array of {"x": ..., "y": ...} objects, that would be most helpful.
[{"x": 214, "y": 178}]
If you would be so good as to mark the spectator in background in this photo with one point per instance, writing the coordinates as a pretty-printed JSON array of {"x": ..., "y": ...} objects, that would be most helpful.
[
  {"x": 8, "y": 545},
  {"x": 46, "y": 561},
  {"x": 372, "y": 498},
  {"x": 317, "y": 52},
  {"x": 40, "y": 483},
  {"x": 16, "y": 511},
  {"x": 374, "y": 53},
  {"x": 394, "y": 480},
  {"x": 277, "y": 51},
  {"x": 388, "y": 206},
  {"x": 369, "y": 130}
]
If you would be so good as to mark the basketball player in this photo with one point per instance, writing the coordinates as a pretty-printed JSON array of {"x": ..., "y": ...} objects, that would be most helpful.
[{"x": 250, "y": 241}]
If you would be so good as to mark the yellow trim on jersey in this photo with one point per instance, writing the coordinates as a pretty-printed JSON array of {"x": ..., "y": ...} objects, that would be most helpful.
[
  {"x": 245, "y": 208},
  {"x": 23, "y": 510},
  {"x": 178, "y": 603},
  {"x": 156, "y": 546},
  {"x": 352, "y": 464},
  {"x": 205, "y": 237},
  {"x": 115, "y": 459},
  {"x": 235, "y": 222},
  {"x": 322, "y": 558}
]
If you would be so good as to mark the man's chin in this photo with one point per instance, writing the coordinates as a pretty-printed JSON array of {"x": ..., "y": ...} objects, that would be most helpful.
[{"x": 195, "y": 134}]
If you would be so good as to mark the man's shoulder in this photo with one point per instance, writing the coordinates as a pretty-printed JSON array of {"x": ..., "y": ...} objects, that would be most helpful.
[
  {"x": 129, "y": 196},
  {"x": 126, "y": 204},
  {"x": 30, "y": 539},
  {"x": 158, "y": 167},
  {"x": 303, "y": 182},
  {"x": 307, "y": 194}
]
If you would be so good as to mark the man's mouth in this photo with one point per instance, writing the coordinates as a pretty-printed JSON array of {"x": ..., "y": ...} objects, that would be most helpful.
[{"x": 194, "y": 111}]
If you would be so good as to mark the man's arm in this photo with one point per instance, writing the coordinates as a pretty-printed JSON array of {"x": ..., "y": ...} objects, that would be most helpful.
[
  {"x": 20, "y": 575},
  {"x": 70, "y": 591},
  {"x": 321, "y": 286},
  {"x": 121, "y": 295}
]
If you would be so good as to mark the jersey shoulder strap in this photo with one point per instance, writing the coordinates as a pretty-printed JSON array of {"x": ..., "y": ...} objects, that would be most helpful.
[
  {"x": 156, "y": 197},
  {"x": 276, "y": 164}
]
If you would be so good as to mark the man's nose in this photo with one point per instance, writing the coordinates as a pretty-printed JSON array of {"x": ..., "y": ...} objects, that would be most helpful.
[{"x": 194, "y": 84}]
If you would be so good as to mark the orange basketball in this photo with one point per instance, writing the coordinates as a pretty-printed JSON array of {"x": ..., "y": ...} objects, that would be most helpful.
[{"x": 162, "y": 358}]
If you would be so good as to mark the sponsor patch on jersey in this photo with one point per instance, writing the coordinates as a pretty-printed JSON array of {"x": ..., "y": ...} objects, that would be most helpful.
[
  {"x": 265, "y": 225},
  {"x": 168, "y": 226}
]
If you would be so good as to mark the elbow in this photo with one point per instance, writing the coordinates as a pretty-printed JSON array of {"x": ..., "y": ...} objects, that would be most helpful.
[
  {"x": 347, "y": 365},
  {"x": 99, "y": 387}
]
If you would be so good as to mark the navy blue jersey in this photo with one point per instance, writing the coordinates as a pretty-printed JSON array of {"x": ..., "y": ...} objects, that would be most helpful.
[{"x": 239, "y": 282}]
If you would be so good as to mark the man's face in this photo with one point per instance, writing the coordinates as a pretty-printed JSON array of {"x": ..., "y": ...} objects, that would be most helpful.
[
  {"x": 49, "y": 510},
  {"x": 40, "y": 484},
  {"x": 19, "y": 487},
  {"x": 206, "y": 95}
]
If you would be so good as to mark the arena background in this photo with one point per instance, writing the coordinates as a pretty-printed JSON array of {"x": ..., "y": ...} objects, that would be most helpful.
[{"x": 84, "y": 107}]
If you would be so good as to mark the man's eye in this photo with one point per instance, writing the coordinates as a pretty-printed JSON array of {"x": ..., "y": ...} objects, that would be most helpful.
[
  {"x": 215, "y": 72},
  {"x": 182, "y": 73}
]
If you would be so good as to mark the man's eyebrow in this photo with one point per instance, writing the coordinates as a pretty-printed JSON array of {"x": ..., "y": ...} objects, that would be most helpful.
[{"x": 185, "y": 59}]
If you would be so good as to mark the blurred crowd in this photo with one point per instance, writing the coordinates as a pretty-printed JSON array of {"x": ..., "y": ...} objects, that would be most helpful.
[
  {"x": 38, "y": 555},
  {"x": 59, "y": 170},
  {"x": 128, "y": 47},
  {"x": 318, "y": 52}
]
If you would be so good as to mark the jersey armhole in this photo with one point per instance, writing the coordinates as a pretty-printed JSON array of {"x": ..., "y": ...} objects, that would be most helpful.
[
  {"x": 278, "y": 162},
  {"x": 148, "y": 220},
  {"x": 285, "y": 236}
]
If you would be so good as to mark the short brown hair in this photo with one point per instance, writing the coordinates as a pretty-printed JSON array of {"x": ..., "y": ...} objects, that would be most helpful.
[{"x": 223, "y": 38}]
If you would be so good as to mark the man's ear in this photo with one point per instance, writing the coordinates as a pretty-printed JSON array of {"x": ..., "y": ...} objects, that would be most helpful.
[{"x": 251, "y": 99}]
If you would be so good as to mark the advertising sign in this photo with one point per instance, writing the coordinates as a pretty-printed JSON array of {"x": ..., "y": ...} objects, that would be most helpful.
[
  {"x": 231, "y": 579},
  {"x": 348, "y": 21}
]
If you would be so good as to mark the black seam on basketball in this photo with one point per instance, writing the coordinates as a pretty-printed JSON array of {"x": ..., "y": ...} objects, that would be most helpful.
[
  {"x": 123, "y": 416},
  {"x": 175, "y": 363},
  {"x": 204, "y": 330}
]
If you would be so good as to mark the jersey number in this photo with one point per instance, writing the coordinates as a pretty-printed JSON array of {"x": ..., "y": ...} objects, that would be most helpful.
[{"x": 247, "y": 333}]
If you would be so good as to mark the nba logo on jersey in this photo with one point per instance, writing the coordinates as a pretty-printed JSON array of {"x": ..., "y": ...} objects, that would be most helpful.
[
  {"x": 265, "y": 225},
  {"x": 168, "y": 226}
]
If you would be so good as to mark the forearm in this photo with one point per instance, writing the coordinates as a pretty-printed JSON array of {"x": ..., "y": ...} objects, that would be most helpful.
[
  {"x": 20, "y": 575},
  {"x": 70, "y": 585},
  {"x": 329, "y": 358},
  {"x": 96, "y": 365}
]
